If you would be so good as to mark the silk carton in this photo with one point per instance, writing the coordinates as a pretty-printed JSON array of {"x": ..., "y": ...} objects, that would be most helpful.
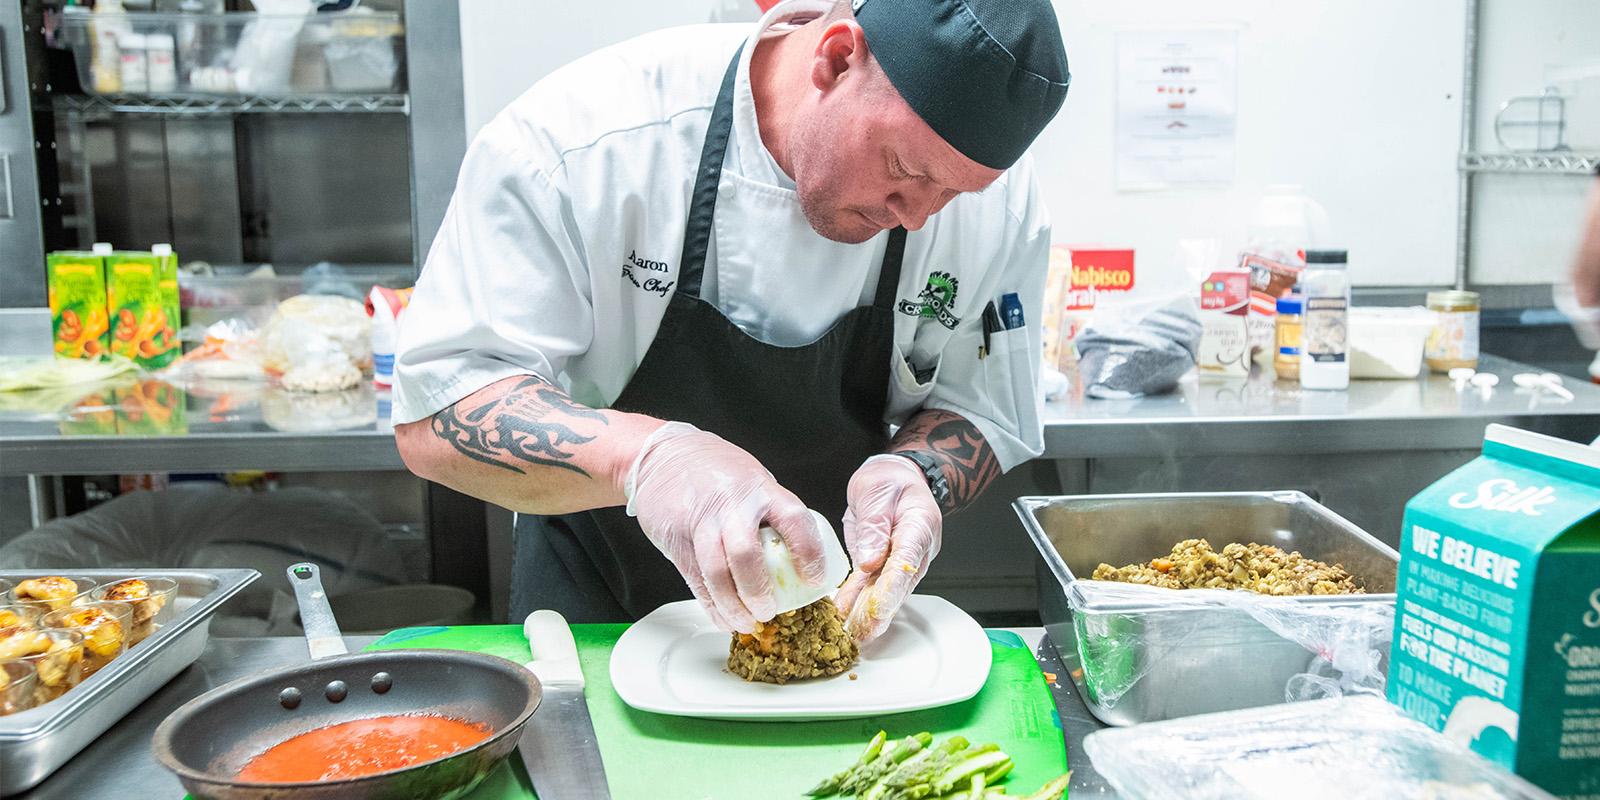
[{"x": 1497, "y": 618}]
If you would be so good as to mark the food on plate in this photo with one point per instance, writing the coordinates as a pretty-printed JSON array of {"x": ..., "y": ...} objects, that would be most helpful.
[
  {"x": 363, "y": 747},
  {"x": 53, "y": 592},
  {"x": 1259, "y": 568},
  {"x": 909, "y": 768},
  {"x": 136, "y": 593},
  {"x": 808, "y": 642}
]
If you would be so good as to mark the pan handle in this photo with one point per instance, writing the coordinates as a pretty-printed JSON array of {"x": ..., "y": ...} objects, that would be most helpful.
[{"x": 322, "y": 630}]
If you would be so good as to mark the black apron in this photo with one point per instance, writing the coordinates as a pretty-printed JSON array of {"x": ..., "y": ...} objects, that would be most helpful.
[{"x": 811, "y": 414}]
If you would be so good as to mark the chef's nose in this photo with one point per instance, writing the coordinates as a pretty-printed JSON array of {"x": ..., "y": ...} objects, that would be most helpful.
[{"x": 910, "y": 210}]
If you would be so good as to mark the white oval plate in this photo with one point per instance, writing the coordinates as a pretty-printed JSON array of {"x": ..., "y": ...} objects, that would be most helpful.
[{"x": 675, "y": 661}]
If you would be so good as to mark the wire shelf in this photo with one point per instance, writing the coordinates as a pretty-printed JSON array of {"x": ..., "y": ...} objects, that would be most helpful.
[
  {"x": 1561, "y": 163},
  {"x": 221, "y": 105}
]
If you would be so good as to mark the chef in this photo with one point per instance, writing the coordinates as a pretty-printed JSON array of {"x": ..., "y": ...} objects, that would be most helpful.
[{"x": 688, "y": 284}]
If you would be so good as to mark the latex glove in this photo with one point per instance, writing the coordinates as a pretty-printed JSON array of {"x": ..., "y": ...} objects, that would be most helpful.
[
  {"x": 701, "y": 501},
  {"x": 892, "y": 529}
]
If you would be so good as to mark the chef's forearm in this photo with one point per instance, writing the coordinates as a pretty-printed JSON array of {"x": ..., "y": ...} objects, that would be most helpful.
[
  {"x": 965, "y": 458},
  {"x": 524, "y": 444}
]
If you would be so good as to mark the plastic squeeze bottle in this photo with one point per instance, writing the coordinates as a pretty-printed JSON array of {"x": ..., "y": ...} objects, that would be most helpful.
[{"x": 1325, "y": 342}]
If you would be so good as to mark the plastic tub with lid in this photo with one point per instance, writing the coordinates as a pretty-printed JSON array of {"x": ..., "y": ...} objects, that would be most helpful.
[{"x": 1388, "y": 342}]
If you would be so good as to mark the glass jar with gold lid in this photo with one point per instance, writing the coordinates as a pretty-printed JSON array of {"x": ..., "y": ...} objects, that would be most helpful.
[{"x": 1454, "y": 340}]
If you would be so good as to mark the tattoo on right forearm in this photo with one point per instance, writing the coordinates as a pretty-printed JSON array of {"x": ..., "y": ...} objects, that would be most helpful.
[
  {"x": 520, "y": 427},
  {"x": 964, "y": 456}
]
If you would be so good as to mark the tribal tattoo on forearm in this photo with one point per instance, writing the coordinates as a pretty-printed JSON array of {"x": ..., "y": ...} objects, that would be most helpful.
[
  {"x": 520, "y": 427},
  {"x": 969, "y": 464}
]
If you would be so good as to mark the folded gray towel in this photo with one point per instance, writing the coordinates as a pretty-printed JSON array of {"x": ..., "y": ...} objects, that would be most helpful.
[{"x": 1140, "y": 357}]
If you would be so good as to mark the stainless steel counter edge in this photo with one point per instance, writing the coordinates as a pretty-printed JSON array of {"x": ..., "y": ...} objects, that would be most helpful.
[
  {"x": 1298, "y": 435},
  {"x": 283, "y": 452}
]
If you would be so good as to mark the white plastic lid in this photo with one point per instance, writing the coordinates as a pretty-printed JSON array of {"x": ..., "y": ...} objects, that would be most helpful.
[
  {"x": 161, "y": 249},
  {"x": 787, "y": 588}
]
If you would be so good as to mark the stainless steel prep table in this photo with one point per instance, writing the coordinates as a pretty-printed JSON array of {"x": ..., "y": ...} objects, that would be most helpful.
[
  {"x": 1362, "y": 452},
  {"x": 1202, "y": 418},
  {"x": 119, "y": 762}
]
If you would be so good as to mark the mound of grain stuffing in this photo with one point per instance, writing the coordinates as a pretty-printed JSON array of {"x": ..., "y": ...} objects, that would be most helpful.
[
  {"x": 809, "y": 642},
  {"x": 1263, "y": 569}
]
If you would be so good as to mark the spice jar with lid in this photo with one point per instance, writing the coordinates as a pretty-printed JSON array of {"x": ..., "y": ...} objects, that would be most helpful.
[
  {"x": 1453, "y": 342},
  {"x": 1286, "y": 360}
]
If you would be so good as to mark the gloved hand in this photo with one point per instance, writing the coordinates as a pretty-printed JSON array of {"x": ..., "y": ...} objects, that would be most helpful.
[
  {"x": 701, "y": 500},
  {"x": 892, "y": 530}
]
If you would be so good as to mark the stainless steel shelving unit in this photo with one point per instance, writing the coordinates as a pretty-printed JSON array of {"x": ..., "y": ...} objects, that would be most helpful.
[
  {"x": 1471, "y": 162},
  {"x": 1553, "y": 163},
  {"x": 222, "y": 105}
]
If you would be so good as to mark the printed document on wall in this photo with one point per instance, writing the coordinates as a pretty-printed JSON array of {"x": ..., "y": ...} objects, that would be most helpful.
[{"x": 1177, "y": 106}]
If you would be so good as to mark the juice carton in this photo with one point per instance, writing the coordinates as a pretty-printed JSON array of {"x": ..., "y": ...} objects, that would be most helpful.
[
  {"x": 78, "y": 318},
  {"x": 168, "y": 263},
  {"x": 140, "y": 329},
  {"x": 1497, "y": 618},
  {"x": 1224, "y": 307}
]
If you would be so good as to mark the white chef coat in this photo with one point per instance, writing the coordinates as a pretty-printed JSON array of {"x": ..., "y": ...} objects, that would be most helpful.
[{"x": 560, "y": 248}]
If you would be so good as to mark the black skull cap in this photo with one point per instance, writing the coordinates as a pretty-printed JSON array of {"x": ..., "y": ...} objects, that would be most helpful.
[{"x": 986, "y": 75}]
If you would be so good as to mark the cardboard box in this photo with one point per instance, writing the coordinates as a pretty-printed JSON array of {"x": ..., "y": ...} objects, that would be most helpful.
[
  {"x": 78, "y": 319},
  {"x": 1497, "y": 618},
  {"x": 1224, "y": 306},
  {"x": 140, "y": 327},
  {"x": 1079, "y": 276}
]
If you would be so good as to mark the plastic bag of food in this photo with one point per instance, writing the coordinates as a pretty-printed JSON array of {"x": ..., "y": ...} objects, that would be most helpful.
[
  {"x": 1350, "y": 748},
  {"x": 227, "y": 350},
  {"x": 1128, "y": 631},
  {"x": 318, "y": 343},
  {"x": 1140, "y": 347}
]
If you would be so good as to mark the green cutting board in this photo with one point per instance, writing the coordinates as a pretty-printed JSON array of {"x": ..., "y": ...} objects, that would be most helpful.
[{"x": 662, "y": 757}]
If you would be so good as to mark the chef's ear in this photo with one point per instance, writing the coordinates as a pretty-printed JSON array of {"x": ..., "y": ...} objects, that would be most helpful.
[{"x": 841, "y": 51}]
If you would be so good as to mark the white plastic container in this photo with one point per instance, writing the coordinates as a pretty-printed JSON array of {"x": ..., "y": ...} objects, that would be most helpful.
[
  {"x": 1325, "y": 336},
  {"x": 1388, "y": 342}
]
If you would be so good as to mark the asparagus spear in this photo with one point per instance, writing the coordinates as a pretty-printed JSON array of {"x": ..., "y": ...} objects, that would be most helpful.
[
  {"x": 1052, "y": 790},
  {"x": 862, "y": 779},
  {"x": 916, "y": 772},
  {"x": 831, "y": 785},
  {"x": 980, "y": 759}
]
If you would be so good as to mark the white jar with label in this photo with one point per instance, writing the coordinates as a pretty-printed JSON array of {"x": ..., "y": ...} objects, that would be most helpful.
[{"x": 1325, "y": 333}]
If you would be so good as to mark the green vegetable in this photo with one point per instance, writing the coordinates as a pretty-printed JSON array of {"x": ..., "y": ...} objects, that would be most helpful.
[
  {"x": 912, "y": 769},
  {"x": 831, "y": 785}
]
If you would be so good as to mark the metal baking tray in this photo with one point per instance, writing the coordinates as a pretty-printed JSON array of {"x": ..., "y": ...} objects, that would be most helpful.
[
  {"x": 35, "y": 742},
  {"x": 1174, "y": 661}
]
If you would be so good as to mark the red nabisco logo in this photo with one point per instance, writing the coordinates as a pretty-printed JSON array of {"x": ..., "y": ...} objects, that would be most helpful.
[{"x": 1095, "y": 271}]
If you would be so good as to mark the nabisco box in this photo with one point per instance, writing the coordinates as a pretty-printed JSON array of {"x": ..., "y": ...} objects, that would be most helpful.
[
  {"x": 1079, "y": 276},
  {"x": 1497, "y": 621}
]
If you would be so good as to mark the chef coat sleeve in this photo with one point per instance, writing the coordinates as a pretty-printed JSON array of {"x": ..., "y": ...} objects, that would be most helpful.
[
  {"x": 999, "y": 393},
  {"x": 504, "y": 290}
]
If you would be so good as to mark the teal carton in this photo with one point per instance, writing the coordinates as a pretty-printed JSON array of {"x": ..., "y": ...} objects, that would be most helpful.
[{"x": 1497, "y": 617}]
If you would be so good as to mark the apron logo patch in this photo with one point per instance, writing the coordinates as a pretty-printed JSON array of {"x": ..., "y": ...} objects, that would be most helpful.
[
  {"x": 645, "y": 266},
  {"x": 935, "y": 301}
]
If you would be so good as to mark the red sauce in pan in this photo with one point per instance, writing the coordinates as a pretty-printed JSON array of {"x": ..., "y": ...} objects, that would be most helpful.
[{"x": 363, "y": 747}]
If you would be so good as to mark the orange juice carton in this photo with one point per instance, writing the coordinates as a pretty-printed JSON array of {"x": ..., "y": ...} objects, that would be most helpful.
[
  {"x": 78, "y": 320},
  {"x": 140, "y": 329}
]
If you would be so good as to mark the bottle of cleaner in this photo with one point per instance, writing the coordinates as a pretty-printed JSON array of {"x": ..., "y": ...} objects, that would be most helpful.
[{"x": 1325, "y": 349}]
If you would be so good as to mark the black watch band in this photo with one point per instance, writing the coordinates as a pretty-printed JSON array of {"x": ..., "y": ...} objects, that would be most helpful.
[{"x": 930, "y": 470}]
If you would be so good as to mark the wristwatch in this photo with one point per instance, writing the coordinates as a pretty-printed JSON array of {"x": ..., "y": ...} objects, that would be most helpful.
[{"x": 930, "y": 470}]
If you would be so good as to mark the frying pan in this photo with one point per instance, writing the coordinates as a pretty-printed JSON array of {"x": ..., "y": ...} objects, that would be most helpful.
[{"x": 208, "y": 740}]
